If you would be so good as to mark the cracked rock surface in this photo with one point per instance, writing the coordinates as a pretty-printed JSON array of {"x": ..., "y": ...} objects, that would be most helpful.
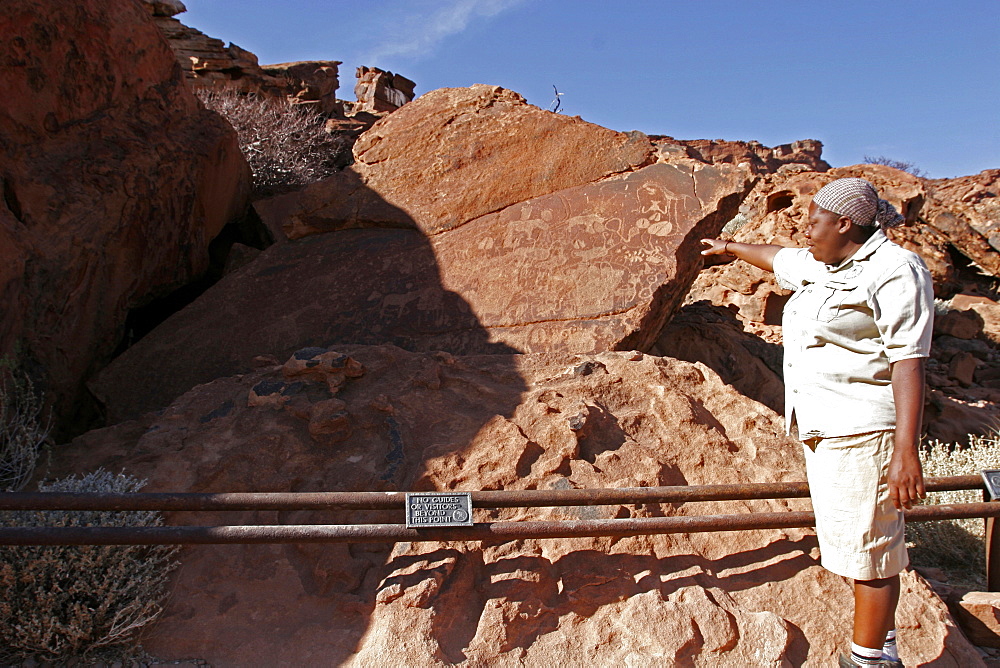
[{"x": 435, "y": 421}]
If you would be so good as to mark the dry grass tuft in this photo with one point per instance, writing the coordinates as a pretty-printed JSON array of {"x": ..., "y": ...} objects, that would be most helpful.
[
  {"x": 23, "y": 429},
  {"x": 80, "y": 604},
  {"x": 955, "y": 546}
]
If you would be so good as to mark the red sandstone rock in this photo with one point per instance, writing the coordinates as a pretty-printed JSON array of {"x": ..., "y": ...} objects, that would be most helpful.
[
  {"x": 312, "y": 83},
  {"x": 990, "y": 314},
  {"x": 967, "y": 209},
  {"x": 164, "y": 7},
  {"x": 317, "y": 364},
  {"x": 455, "y": 155},
  {"x": 960, "y": 324},
  {"x": 964, "y": 301},
  {"x": 208, "y": 63},
  {"x": 590, "y": 267},
  {"x": 357, "y": 286},
  {"x": 979, "y": 613},
  {"x": 962, "y": 368},
  {"x": 115, "y": 181},
  {"x": 548, "y": 421},
  {"x": 952, "y": 416},
  {"x": 759, "y": 158},
  {"x": 379, "y": 91},
  {"x": 714, "y": 336}
]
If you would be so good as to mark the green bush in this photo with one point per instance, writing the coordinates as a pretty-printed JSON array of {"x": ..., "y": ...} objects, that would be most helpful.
[{"x": 80, "y": 603}]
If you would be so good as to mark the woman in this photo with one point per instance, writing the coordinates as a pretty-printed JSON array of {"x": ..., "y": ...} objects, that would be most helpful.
[{"x": 856, "y": 332}]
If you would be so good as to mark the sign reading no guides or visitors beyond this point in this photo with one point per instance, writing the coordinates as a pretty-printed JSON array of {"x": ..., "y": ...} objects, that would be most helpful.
[
  {"x": 438, "y": 509},
  {"x": 992, "y": 479}
]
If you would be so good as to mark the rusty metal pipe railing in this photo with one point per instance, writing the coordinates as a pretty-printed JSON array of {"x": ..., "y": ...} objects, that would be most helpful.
[
  {"x": 495, "y": 531},
  {"x": 531, "y": 498}
]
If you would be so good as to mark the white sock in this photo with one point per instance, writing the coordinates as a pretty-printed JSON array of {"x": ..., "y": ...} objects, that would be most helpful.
[
  {"x": 865, "y": 656},
  {"x": 889, "y": 648}
]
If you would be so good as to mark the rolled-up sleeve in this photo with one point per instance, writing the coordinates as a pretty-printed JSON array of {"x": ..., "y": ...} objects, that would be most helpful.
[
  {"x": 903, "y": 306},
  {"x": 789, "y": 266}
]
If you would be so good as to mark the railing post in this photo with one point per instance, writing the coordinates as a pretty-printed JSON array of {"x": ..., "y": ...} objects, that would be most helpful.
[{"x": 991, "y": 477}]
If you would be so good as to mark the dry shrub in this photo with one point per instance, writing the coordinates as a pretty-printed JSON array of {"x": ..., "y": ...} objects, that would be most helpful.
[
  {"x": 896, "y": 164},
  {"x": 23, "y": 430},
  {"x": 80, "y": 603},
  {"x": 734, "y": 226},
  {"x": 286, "y": 145},
  {"x": 955, "y": 546}
]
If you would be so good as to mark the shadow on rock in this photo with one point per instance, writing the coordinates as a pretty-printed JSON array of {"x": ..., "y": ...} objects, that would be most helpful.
[
  {"x": 353, "y": 286},
  {"x": 507, "y": 605}
]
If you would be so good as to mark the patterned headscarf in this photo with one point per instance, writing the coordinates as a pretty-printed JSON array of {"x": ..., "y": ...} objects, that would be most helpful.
[{"x": 858, "y": 200}]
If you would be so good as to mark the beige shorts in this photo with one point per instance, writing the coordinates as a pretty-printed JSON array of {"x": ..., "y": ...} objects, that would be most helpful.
[{"x": 860, "y": 531}]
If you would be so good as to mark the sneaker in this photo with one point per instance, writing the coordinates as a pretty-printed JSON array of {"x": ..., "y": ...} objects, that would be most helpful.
[{"x": 847, "y": 662}]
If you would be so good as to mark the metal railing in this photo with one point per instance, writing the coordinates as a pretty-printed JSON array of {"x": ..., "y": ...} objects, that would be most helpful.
[{"x": 483, "y": 531}]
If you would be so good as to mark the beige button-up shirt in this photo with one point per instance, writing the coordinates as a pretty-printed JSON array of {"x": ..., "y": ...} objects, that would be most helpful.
[{"x": 843, "y": 328}]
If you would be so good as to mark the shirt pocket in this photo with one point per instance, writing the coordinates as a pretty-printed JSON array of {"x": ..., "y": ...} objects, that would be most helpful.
[{"x": 832, "y": 298}]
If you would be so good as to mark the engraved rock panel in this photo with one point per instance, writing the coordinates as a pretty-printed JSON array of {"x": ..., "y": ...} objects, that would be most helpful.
[
  {"x": 592, "y": 268},
  {"x": 589, "y": 268},
  {"x": 356, "y": 286}
]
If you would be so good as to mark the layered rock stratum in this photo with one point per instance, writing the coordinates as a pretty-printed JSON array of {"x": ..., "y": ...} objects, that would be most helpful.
[{"x": 209, "y": 63}]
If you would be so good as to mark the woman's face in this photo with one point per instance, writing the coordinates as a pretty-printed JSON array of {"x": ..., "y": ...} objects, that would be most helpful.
[{"x": 827, "y": 242}]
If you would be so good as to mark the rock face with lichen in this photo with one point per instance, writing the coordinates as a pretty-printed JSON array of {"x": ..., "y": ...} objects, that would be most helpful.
[{"x": 381, "y": 418}]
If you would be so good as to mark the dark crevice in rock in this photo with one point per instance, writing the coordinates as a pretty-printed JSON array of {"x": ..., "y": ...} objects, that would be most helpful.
[
  {"x": 967, "y": 273},
  {"x": 10, "y": 198},
  {"x": 142, "y": 319},
  {"x": 779, "y": 200}
]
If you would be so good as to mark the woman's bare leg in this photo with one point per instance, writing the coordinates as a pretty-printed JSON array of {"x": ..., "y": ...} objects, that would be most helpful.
[{"x": 874, "y": 610}]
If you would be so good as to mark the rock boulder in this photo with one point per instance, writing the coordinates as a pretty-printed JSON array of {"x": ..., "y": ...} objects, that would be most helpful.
[
  {"x": 379, "y": 91},
  {"x": 979, "y": 612},
  {"x": 582, "y": 249},
  {"x": 759, "y": 158},
  {"x": 967, "y": 211},
  {"x": 380, "y": 418},
  {"x": 114, "y": 181},
  {"x": 455, "y": 155}
]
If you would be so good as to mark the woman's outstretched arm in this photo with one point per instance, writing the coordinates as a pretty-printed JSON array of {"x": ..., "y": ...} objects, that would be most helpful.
[{"x": 759, "y": 255}]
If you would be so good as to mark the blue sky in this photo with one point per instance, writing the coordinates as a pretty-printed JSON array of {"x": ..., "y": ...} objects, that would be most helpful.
[{"x": 916, "y": 81}]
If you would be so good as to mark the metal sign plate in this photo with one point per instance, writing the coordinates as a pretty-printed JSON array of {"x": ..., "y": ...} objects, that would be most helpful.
[
  {"x": 992, "y": 479},
  {"x": 438, "y": 509}
]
